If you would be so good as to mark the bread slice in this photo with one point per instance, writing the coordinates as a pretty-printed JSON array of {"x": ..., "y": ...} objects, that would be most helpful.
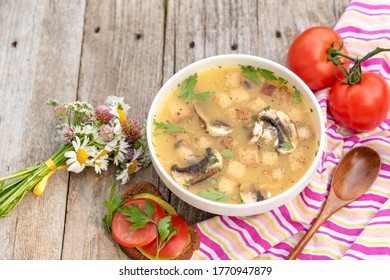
[{"x": 146, "y": 187}]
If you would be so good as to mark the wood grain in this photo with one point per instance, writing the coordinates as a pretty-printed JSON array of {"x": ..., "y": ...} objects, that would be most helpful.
[
  {"x": 122, "y": 55},
  {"x": 88, "y": 50}
]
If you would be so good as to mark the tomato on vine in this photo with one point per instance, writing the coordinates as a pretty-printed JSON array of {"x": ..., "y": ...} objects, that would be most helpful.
[
  {"x": 308, "y": 57},
  {"x": 361, "y": 101}
]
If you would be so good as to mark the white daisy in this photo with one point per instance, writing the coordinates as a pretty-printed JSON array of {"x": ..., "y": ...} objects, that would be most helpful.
[
  {"x": 120, "y": 149},
  {"x": 79, "y": 158},
  {"x": 118, "y": 108},
  {"x": 130, "y": 168},
  {"x": 100, "y": 161}
]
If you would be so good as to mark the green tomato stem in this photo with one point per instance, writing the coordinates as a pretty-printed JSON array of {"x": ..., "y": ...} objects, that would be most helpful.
[{"x": 354, "y": 75}]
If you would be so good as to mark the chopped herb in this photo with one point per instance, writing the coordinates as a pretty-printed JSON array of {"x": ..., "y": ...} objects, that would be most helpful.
[
  {"x": 212, "y": 181},
  {"x": 213, "y": 160},
  {"x": 213, "y": 194},
  {"x": 254, "y": 117},
  {"x": 168, "y": 127},
  {"x": 227, "y": 153},
  {"x": 187, "y": 183},
  {"x": 282, "y": 81},
  {"x": 287, "y": 145},
  {"x": 177, "y": 144},
  {"x": 250, "y": 73},
  {"x": 311, "y": 110},
  {"x": 266, "y": 108},
  {"x": 297, "y": 96},
  {"x": 187, "y": 89},
  {"x": 315, "y": 154},
  {"x": 300, "y": 125},
  {"x": 267, "y": 74}
]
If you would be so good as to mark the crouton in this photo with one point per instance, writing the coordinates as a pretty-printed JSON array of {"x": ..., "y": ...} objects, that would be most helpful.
[
  {"x": 233, "y": 79},
  {"x": 235, "y": 169},
  {"x": 227, "y": 186},
  {"x": 267, "y": 89},
  {"x": 277, "y": 173},
  {"x": 257, "y": 105},
  {"x": 282, "y": 95},
  {"x": 178, "y": 110},
  {"x": 248, "y": 156},
  {"x": 228, "y": 142},
  {"x": 242, "y": 114},
  {"x": 223, "y": 100},
  {"x": 269, "y": 158},
  {"x": 239, "y": 95},
  {"x": 304, "y": 132},
  {"x": 297, "y": 159}
]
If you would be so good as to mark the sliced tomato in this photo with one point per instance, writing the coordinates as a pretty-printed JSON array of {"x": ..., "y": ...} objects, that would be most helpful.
[
  {"x": 175, "y": 245},
  {"x": 125, "y": 236}
]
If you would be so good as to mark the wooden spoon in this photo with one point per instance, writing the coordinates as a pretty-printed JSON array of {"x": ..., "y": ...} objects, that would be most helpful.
[{"x": 356, "y": 172}]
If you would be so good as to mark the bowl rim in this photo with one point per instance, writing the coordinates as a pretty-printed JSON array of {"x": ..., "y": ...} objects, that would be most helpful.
[{"x": 249, "y": 208}]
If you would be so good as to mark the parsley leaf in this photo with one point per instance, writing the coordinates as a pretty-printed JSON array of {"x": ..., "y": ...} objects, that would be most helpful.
[
  {"x": 187, "y": 89},
  {"x": 168, "y": 127},
  {"x": 287, "y": 145},
  {"x": 213, "y": 194},
  {"x": 165, "y": 229},
  {"x": 227, "y": 153},
  {"x": 138, "y": 217},
  {"x": 282, "y": 81},
  {"x": 266, "y": 108},
  {"x": 267, "y": 74},
  {"x": 297, "y": 96},
  {"x": 112, "y": 204},
  {"x": 250, "y": 73}
]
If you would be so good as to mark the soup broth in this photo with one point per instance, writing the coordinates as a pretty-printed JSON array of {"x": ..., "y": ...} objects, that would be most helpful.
[{"x": 235, "y": 134}]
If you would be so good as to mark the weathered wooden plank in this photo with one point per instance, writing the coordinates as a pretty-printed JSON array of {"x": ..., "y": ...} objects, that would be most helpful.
[
  {"x": 198, "y": 29},
  {"x": 39, "y": 59},
  {"x": 122, "y": 55}
]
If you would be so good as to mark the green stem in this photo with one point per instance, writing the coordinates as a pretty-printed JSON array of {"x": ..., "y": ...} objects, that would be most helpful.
[
  {"x": 354, "y": 75},
  {"x": 19, "y": 173}
]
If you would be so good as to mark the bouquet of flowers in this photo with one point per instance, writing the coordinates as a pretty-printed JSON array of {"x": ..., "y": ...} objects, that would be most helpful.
[{"x": 93, "y": 137}]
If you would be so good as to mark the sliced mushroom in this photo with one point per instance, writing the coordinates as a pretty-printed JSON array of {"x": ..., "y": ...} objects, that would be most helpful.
[
  {"x": 213, "y": 127},
  {"x": 199, "y": 171},
  {"x": 250, "y": 194},
  {"x": 287, "y": 137}
]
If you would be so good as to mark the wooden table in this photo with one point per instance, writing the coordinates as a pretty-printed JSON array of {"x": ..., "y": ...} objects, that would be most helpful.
[{"x": 86, "y": 50}]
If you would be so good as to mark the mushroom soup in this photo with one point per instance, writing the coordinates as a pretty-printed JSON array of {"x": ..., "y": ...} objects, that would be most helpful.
[{"x": 235, "y": 134}]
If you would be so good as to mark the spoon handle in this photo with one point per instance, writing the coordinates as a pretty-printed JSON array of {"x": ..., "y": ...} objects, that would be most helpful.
[
  {"x": 306, "y": 238},
  {"x": 331, "y": 205}
]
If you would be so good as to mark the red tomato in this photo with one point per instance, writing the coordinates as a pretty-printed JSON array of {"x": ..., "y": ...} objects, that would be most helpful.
[
  {"x": 174, "y": 246},
  {"x": 308, "y": 57},
  {"x": 362, "y": 106},
  {"x": 125, "y": 236}
]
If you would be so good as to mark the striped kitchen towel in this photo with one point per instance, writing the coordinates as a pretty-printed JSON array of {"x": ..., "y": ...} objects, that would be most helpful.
[{"x": 360, "y": 230}]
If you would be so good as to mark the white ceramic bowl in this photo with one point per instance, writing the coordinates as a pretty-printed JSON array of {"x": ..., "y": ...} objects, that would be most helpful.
[{"x": 224, "y": 208}]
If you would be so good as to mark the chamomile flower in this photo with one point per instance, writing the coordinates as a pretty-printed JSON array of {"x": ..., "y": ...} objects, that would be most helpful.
[
  {"x": 80, "y": 157},
  {"x": 118, "y": 107},
  {"x": 130, "y": 167},
  {"x": 100, "y": 161},
  {"x": 120, "y": 149}
]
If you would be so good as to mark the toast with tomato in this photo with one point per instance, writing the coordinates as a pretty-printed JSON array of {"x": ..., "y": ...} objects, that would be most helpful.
[{"x": 146, "y": 226}]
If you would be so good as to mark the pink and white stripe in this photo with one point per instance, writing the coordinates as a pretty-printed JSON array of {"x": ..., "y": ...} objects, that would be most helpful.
[{"x": 360, "y": 230}]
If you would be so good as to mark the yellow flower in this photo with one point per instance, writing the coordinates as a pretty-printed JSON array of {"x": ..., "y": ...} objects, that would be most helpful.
[{"x": 79, "y": 158}]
